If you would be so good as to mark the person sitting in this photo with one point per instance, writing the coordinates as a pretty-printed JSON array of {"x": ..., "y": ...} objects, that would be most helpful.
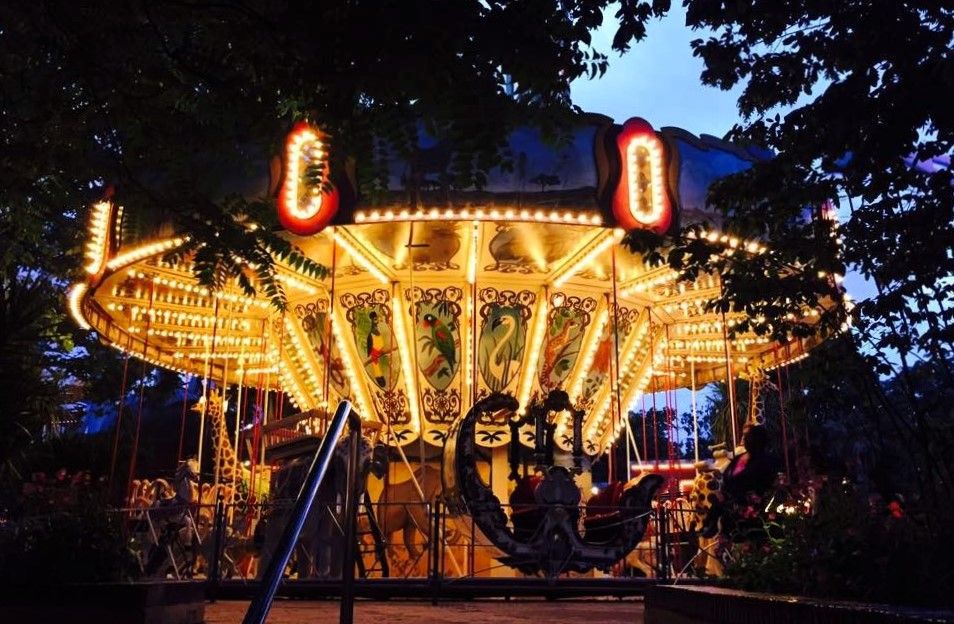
[
  {"x": 744, "y": 483},
  {"x": 751, "y": 472}
]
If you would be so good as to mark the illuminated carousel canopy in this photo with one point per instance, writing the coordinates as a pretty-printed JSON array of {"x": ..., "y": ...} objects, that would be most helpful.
[{"x": 438, "y": 296}]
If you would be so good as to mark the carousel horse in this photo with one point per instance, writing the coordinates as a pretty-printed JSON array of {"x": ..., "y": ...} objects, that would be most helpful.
[
  {"x": 145, "y": 492},
  {"x": 643, "y": 557},
  {"x": 400, "y": 510},
  {"x": 169, "y": 521},
  {"x": 159, "y": 494}
]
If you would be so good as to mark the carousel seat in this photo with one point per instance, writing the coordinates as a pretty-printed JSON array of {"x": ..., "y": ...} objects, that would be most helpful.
[
  {"x": 526, "y": 512},
  {"x": 603, "y": 513}
]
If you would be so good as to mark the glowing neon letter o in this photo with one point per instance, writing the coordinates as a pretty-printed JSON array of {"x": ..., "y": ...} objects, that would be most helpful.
[{"x": 641, "y": 199}]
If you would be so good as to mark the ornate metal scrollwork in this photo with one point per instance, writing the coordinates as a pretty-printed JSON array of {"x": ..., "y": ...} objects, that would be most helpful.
[{"x": 555, "y": 545}]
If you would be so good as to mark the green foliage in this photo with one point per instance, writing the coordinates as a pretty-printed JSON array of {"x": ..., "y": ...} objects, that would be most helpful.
[
  {"x": 64, "y": 534},
  {"x": 181, "y": 106},
  {"x": 866, "y": 89},
  {"x": 850, "y": 548},
  {"x": 76, "y": 547}
]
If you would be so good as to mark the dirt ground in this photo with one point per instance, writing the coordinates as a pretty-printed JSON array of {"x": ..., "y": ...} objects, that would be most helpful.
[{"x": 609, "y": 611}]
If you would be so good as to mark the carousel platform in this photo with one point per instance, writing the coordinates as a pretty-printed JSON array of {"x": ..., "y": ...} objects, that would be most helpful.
[
  {"x": 415, "y": 612},
  {"x": 450, "y": 588}
]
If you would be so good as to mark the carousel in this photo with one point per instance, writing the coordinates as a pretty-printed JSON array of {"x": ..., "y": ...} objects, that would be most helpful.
[{"x": 476, "y": 331}]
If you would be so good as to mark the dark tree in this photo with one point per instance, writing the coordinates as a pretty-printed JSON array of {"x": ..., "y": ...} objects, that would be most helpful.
[
  {"x": 180, "y": 105},
  {"x": 854, "y": 100}
]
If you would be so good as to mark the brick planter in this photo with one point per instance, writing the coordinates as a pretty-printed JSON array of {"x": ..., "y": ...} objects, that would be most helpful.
[
  {"x": 105, "y": 603},
  {"x": 667, "y": 604}
]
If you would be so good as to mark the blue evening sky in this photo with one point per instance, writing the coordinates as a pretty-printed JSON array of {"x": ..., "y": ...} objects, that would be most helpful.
[{"x": 659, "y": 80}]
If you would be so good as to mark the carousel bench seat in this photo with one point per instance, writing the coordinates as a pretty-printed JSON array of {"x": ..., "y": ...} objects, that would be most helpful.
[
  {"x": 603, "y": 515},
  {"x": 526, "y": 512}
]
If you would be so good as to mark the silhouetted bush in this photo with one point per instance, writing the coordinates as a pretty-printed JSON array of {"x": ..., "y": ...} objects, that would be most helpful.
[{"x": 851, "y": 547}]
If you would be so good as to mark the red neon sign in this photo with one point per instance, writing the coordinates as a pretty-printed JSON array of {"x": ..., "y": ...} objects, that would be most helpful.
[
  {"x": 305, "y": 206},
  {"x": 641, "y": 200}
]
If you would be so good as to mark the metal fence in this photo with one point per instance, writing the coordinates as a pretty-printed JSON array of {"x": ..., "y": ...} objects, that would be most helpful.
[{"x": 231, "y": 542}]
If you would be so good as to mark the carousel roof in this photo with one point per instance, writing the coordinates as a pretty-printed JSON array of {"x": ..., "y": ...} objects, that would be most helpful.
[{"x": 438, "y": 296}]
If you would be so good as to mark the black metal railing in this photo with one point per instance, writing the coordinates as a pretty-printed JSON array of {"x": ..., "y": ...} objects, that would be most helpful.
[
  {"x": 401, "y": 541},
  {"x": 274, "y": 570},
  {"x": 224, "y": 543}
]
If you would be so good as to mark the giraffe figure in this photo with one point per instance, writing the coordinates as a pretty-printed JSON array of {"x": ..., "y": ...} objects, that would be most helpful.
[
  {"x": 226, "y": 463},
  {"x": 759, "y": 386},
  {"x": 707, "y": 491}
]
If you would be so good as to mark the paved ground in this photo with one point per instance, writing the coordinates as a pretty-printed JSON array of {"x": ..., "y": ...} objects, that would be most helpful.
[{"x": 608, "y": 611}]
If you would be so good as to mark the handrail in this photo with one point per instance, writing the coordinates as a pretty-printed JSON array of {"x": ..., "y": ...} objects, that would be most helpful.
[
  {"x": 346, "y": 610},
  {"x": 262, "y": 603}
]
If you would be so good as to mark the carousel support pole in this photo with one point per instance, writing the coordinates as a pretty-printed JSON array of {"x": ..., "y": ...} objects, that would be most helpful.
[
  {"x": 632, "y": 441},
  {"x": 330, "y": 337},
  {"x": 352, "y": 496},
  {"x": 622, "y": 410},
  {"x": 219, "y": 451},
  {"x": 257, "y": 411},
  {"x": 261, "y": 395},
  {"x": 182, "y": 419},
  {"x": 238, "y": 426},
  {"x": 677, "y": 420},
  {"x": 670, "y": 416},
  {"x": 730, "y": 383},
  {"x": 664, "y": 539},
  {"x": 675, "y": 413},
  {"x": 260, "y": 448},
  {"x": 142, "y": 393},
  {"x": 120, "y": 404},
  {"x": 436, "y": 541},
  {"x": 695, "y": 414},
  {"x": 782, "y": 418},
  {"x": 655, "y": 436},
  {"x": 201, "y": 435},
  {"x": 578, "y": 416},
  {"x": 645, "y": 433},
  {"x": 472, "y": 320},
  {"x": 215, "y": 564},
  {"x": 205, "y": 392},
  {"x": 279, "y": 410},
  {"x": 538, "y": 414},
  {"x": 442, "y": 522},
  {"x": 411, "y": 245},
  {"x": 655, "y": 389},
  {"x": 250, "y": 439},
  {"x": 629, "y": 459},
  {"x": 788, "y": 401}
]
